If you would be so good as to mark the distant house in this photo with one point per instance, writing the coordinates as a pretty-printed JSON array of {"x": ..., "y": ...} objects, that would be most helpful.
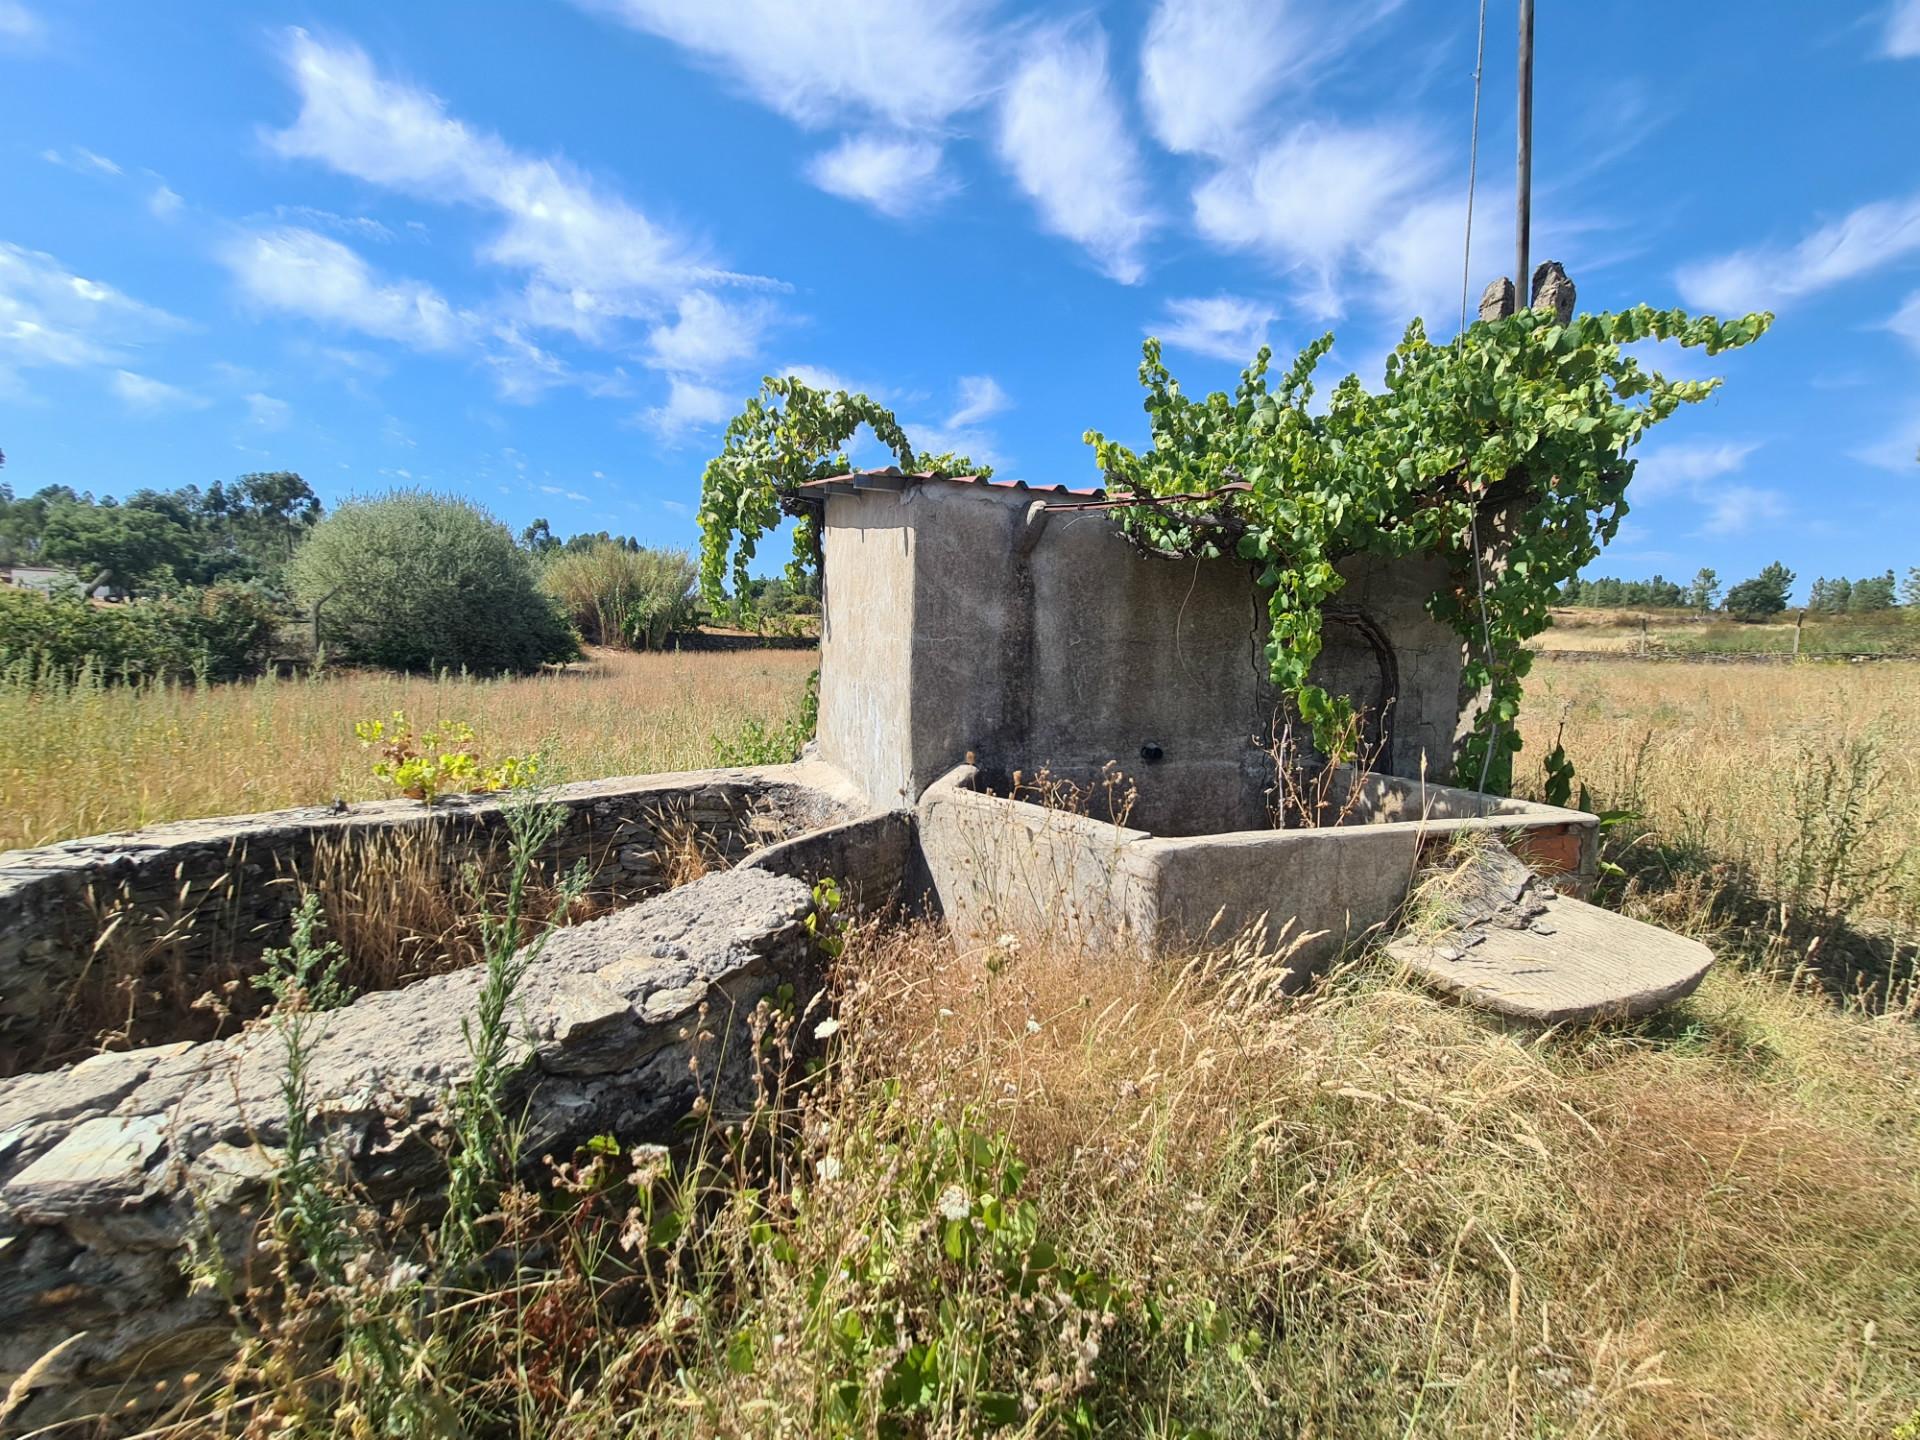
[{"x": 48, "y": 578}]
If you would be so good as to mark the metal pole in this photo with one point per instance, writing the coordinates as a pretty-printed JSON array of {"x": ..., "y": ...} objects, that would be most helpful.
[{"x": 1523, "y": 188}]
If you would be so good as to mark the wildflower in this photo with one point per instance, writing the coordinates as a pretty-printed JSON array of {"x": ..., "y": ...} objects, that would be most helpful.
[
  {"x": 828, "y": 1168},
  {"x": 1010, "y": 944},
  {"x": 1033, "y": 1026},
  {"x": 953, "y": 1203},
  {"x": 826, "y": 1028}
]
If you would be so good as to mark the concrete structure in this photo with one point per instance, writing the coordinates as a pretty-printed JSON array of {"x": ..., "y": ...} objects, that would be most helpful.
[{"x": 970, "y": 621}]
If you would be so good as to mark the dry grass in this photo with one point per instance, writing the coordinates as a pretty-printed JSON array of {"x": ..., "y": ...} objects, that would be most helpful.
[
  {"x": 1774, "y": 808},
  {"x": 91, "y": 759},
  {"x": 1192, "y": 1206}
]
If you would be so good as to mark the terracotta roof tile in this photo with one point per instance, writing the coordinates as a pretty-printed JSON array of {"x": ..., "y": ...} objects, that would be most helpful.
[{"x": 870, "y": 477}]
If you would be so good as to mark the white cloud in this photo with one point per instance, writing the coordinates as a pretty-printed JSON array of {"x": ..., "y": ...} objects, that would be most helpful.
[
  {"x": 1064, "y": 139},
  {"x": 1208, "y": 67},
  {"x": 1906, "y": 321},
  {"x": 78, "y": 157},
  {"x": 895, "y": 175},
  {"x": 267, "y": 412},
  {"x": 20, "y": 25},
  {"x": 589, "y": 254},
  {"x": 1902, "y": 38},
  {"x": 1685, "y": 469},
  {"x": 164, "y": 202},
  {"x": 304, "y": 273},
  {"x": 564, "y": 493},
  {"x": 676, "y": 507},
  {"x": 1767, "y": 277},
  {"x": 707, "y": 334},
  {"x": 981, "y": 398},
  {"x": 1227, "y": 327},
  {"x": 363, "y": 227},
  {"x": 913, "y": 65},
  {"x": 1736, "y": 509},
  {"x": 146, "y": 396},
  {"x": 51, "y": 317},
  {"x": 1897, "y": 450},
  {"x": 689, "y": 406},
  {"x": 1315, "y": 200},
  {"x": 1698, "y": 472}
]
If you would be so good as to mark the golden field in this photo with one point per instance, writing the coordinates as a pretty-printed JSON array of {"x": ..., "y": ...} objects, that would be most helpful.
[{"x": 88, "y": 759}]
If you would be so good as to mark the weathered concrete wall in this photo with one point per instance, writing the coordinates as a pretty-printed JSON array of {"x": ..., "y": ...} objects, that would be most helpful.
[
  {"x": 1001, "y": 866},
  {"x": 866, "y": 708},
  {"x": 202, "y": 898},
  {"x": 969, "y": 620},
  {"x": 107, "y": 1168}
]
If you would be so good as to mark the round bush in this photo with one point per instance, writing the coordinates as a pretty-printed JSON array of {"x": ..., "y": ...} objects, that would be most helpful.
[{"x": 417, "y": 581}]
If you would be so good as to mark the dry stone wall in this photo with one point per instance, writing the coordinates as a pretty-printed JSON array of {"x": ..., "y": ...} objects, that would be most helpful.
[
  {"x": 171, "y": 910},
  {"x": 110, "y": 1167}
]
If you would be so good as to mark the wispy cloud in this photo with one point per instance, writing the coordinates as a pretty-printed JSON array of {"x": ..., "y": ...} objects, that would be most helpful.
[
  {"x": 981, "y": 398},
  {"x": 1227, "y": 327},
  {"x": 164, "y": 203},
  {"x": 1208, "y": 67},
  {"x": 1315, "y": 200},
  {"x": 1901, "y": 39},
  {"x": 266, "y": 411},
  {"x": 1906, "y": 321},
  {"x": 143, "y": 395},
  {"x": 50, "y": 316},
  {"x": 1766, "y": 277},
  {"x": 708, "y": 334},
  {"x": 302, "y": 272},
  {"x": 1065, "y": 140},
  {"x": 897, "y": 176},
  {"x": 689, "y": 406},
  {"x": 78, "y": 157},
  {"x": 1699, "y": 473},
  {"x": 589, "y": 256},
  {"x": 20, "y": 26},
  {"x": 1736, "y": 509},
  {"x": 912, "y": 65}
]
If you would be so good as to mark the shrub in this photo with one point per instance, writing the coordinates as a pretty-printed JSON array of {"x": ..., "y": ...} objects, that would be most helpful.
[
  {"x": 220, "y": 633},
  {"x": 416, "y": 581},
  {"x": 617, "y": 596}
]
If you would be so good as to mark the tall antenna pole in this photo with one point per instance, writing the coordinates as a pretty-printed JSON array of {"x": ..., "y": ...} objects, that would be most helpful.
[{"x": 1523, "y": 188}]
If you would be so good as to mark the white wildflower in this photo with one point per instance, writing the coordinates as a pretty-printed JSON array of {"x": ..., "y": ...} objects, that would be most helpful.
[
  {"x": 1033, "y": 1026},
  {"x": 954, "y": 1204},
  {"x": 828, "y": 1168},
  {"x": 1009, "y": 943},
  {"x": 827, "y": 1027}
]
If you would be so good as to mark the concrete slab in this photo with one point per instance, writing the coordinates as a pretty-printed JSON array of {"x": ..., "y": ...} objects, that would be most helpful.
[{"x": 1567, "y": 963}]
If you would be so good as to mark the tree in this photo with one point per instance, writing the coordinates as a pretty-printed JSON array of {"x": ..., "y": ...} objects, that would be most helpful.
[
  {"x": 418, "y": 581},
  {"x": 140, "y": 548},
  {"x": 1766, "y": 594},
  {"x": 539, "y": 537},
  {"x": 617, "y": 596},
  {"x": 1870, "y": 594},
  {"x": 1910, "y": 588},
  {"x": 1704, "y": 593}
]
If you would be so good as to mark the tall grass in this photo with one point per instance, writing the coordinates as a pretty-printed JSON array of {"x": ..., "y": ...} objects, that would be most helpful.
[
  {"x": 1773, "y": 810},
  {"x": 86, "y": 757},
  {"x": 1031, "y": 1196}
]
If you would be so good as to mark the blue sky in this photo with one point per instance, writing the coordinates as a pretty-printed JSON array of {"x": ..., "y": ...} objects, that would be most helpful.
[{"x": 539, "y": 252}]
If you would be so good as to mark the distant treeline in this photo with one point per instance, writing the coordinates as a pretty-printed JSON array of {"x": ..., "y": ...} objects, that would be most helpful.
[{"x": 1765, "y": 594}]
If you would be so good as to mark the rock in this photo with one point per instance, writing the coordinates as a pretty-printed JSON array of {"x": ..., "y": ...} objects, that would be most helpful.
[
  {"x": 1552, "y": 290},
  {"x": 1496, "y": 301},
  {"x": 102, "y": 1163}
]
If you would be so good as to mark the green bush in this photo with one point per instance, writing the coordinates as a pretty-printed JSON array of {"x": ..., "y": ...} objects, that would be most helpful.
[
  {"x": 617, "y": 596},
  {"x": 220, "y": 633},
  {"x": 417, "y": 581}
]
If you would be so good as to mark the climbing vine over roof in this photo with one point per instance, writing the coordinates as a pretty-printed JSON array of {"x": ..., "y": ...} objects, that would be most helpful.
[{"x": 1517, "y": 435}]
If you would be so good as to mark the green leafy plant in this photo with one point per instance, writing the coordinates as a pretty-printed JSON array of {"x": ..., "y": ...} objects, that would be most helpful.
[
  {"x": 425, "y": 764},
  {"x": 788, "y": 434},
  {"x": 757, "y": 743},
  {"x": 1505, "y": 452}
]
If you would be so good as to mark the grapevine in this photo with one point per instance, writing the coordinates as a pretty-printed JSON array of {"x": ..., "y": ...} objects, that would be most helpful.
[
  {"x": 1515, "y": 436},
  {"x": 788, "y": 434}
]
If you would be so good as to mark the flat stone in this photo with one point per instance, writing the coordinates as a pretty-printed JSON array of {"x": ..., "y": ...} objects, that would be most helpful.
[
  {"x": 1589, "y": 964},
  {"x": 102, "y": 1161}
]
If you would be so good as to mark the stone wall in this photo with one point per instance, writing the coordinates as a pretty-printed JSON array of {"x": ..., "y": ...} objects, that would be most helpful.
[
  {"x": 176, "y": 909},
  {"x": 107, "y": 1168}
]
